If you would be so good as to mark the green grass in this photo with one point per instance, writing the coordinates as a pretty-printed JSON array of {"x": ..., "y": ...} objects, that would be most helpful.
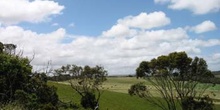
[
  {"x": 115, "y": 96},
  {"x": 11, "y": 106},
  {"x": 109, "y": 100},
  {"x": 120, "y": 84}
]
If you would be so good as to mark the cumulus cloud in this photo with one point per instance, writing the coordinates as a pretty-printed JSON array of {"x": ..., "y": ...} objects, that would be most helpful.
[
  {"x": 16, "y": 11},
  {"x": 119, "y": 30},
  {"x": 214, "y": 61},
  {"x": 44, "y": 45},
  {"x": 146, "y": 21},
  {"x": 120, "y": 49},
  {"x": 204, "y": 27},
  {"x": 124, "y": 27},
  {"x": 119, "y": 55},
  {"x": 197, "y": 7}
]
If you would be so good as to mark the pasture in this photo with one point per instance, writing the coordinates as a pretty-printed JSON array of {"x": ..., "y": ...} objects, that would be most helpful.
[{"x": 115, "y": 94}]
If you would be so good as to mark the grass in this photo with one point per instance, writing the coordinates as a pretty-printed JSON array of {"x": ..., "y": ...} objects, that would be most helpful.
[
  {"x": 11, "y": 106},
  {"x": 109, "y": 100},
  {"x": 115, "y": 96},
  {"x": 120, "y": 84}
]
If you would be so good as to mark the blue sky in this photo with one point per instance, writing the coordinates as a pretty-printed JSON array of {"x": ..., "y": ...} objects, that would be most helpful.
[
  {"x": 91, "y": 18},
  {"x": 116, "y": 34}
]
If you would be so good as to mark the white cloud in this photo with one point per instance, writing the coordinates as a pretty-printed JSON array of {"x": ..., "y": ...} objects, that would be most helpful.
[
  {"x": 119, "y": 31},
  {"x": 44, "y": 45},
  {"x": 146, "y": 21},
  {"x": 124, "y": 27},
  {"x": 16, "y": 11},
  {"x": 197, "y": 7},
  {"x": 214, "y": 61},
  {"x": 119, "y": 49},
  {"x": 204, "y": 27},
  {"x": 119, "y": 55}
]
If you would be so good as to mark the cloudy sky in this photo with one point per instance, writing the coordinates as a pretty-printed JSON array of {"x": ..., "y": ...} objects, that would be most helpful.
[{"x": 116, "y": 34}]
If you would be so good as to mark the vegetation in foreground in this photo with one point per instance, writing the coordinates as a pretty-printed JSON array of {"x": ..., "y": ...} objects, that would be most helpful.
[
  {"x": 23, "y": 89},
  {"x": 20, "y": 86}
]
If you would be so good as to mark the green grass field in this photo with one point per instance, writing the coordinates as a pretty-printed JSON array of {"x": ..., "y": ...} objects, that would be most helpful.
[
  {"x": 115, "y": 95},
  {"x": 109, "y": 100}
]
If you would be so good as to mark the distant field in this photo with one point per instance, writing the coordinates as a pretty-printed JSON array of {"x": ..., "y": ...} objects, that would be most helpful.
[
  {"x": 120, "y": 84},
  {"x": 109, "y": 100},
  {"x": 115, "y": 96},
  {"x": 217, "y": 75}
]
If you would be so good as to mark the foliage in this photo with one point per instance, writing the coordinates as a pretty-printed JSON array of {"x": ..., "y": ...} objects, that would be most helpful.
[
  {"x": 204, "y": 103},
  {"x": 176, "y": 78},
  {"x": 11, "y": 106},
  {"x": 88, "y": 84},
  {"x": 143, "y": 69},
  {"x": 14, "y": 75},
  {"x": 18, "y": 83},
  {"x": 89, "y": 100},
  {"x": 85, "y": 81},
  {"x": 137, "y": 89}
]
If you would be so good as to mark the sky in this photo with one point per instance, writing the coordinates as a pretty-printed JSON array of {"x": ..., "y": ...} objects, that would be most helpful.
[{"x": 115, "y": 34}]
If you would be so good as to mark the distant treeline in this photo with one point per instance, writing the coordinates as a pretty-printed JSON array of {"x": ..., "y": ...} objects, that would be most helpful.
[
  {"x": 217, "y": 75},
  {"x": 216, "y": 72},
  {"x": 61, "y": 77}
]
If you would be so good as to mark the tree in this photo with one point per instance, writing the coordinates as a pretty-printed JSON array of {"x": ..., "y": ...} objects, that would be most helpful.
[
  {"x": 176, "y": 78},
  {"x": 19, "y": 84},
  {"x": 1, "y": 47},
  {"x": 86, "y": 81},
  {"x": 10, "y": 48},
  {"x": 142, "y": 69},
  {"x": 14, "y": 74}
]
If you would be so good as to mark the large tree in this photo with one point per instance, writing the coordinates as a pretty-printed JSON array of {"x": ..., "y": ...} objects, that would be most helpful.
[
  {"x": 87, "y": 85},
  {"x": 86, "y": 82},
  {"x": 19, "y": 84},
  {"x": 176, "y": 78}
]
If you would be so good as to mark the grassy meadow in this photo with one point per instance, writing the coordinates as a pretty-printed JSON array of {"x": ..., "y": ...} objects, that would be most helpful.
[{"x": 115, "y": 94}]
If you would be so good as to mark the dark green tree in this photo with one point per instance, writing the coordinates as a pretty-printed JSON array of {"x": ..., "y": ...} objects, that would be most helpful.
[
  {"x": 14, "y": 75},
  {"x": 176, "y": 78},
  {"x": 19, "y": 84},
  {"x": 142, "y": 70},
  {"x": 86, "y": 82},
  {"x": 1, "y": 47}
]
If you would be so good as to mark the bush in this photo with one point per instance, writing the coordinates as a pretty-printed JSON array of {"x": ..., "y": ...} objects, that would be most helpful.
[
  {"x": 89, "y": 100},
  {"x": 137, "y": 89},
  {"x": 18, "y": 84},
  {"x": 204, "y": 103}
]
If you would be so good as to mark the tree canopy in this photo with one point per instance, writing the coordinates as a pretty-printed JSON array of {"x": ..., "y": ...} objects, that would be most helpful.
[
  {"x": 175, "y": 78},
  {"x": 177, "y": 64},
  {"x": 19, "y": 84},
  {"x": 85, "y": 81}
]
